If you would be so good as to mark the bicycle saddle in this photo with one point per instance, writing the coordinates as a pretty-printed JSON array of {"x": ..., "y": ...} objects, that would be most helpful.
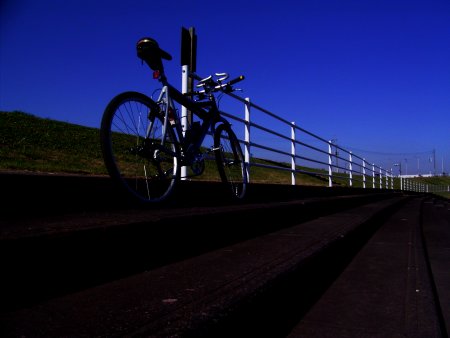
[
  {"x": 149, "y": 45},
  {"x": 149, "y": 51}
]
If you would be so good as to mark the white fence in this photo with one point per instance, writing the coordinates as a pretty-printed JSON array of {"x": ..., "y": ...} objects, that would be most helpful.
[
  {"x": 321, "y": 157},
  {"x": 355, "y": 167}
]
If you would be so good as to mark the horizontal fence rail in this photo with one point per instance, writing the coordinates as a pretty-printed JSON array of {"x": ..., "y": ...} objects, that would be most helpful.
[{"x": 327, "y": 160}]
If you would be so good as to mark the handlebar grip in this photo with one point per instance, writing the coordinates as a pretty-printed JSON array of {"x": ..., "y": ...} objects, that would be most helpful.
[{"x": 236, "y": 80}]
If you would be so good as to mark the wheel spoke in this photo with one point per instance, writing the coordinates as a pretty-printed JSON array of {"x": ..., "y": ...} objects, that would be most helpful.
[
  {"x": 230, "y": 161},
  {"x": 133, "y": 149}
]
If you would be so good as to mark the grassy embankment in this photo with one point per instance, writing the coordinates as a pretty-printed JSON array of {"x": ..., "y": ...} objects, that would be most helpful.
[{"x": 29, "y": 143}]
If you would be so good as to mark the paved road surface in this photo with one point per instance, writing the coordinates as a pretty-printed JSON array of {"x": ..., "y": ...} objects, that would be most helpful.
[{"x": 309, "y": 263}]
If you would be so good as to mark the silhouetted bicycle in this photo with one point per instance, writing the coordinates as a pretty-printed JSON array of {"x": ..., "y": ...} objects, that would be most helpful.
[{"x": 143, "y": 142}]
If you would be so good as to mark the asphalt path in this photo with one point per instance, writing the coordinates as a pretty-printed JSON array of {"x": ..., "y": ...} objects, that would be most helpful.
[
  {"x": 79, "y": 259},
  {"x": 389, "y": 289}
]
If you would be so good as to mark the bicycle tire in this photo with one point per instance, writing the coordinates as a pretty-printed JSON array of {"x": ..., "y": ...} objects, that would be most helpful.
[
  {"x": 230, "y": 161},
  {"x": 132, "y": 148}
]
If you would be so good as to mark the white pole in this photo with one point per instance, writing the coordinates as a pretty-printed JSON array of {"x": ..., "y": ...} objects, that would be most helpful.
[
  {"x": 247, "y": 137},
  {"x": 184, "y": 118},
  {"x": 373, "y": 175},
  {"x": 364, "y": 173},
  {"x": 381, "y": 179},
  {"x": 330, "y": 181},
  {"x": 350, "y": 167},
  {"x": 293, "y": 166}
]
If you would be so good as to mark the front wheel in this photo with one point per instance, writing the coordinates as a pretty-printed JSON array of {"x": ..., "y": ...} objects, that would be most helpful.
[
  {"x": 143, "y": 159},
  {"x": 230, "y": 160}
]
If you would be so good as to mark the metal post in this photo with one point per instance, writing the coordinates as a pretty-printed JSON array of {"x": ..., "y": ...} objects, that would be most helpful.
[
  {"x": 364, "y": 173},
  {"x": 184, "y": 113},
  {"x": 373, "y": 175},
  {"x": 188, "y": 64},
  {"x": 247, "y": 138},
  {"x": 293, "y": 153},
  {"x": 330, "y": 167},
  {"x": 350, "y": 167},
  {"x": 381, "y": 179}
]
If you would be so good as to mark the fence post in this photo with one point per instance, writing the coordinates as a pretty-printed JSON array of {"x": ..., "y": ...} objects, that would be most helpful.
[
  {"x": 247, "y": 138},
  {"x": 381, "y": 179},
  {"x": 330, "y": 169},
  {"x": 293, "y": 166},
  {"x": 350, "y": 167},
  {"x": 364, "y": 173}
]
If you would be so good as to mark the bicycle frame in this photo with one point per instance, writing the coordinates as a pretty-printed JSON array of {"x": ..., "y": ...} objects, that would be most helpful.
[{"x": 209, "y": 118}]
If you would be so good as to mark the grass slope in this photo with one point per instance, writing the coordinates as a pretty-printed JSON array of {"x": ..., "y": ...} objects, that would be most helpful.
[{"x": 31, "y": 143}]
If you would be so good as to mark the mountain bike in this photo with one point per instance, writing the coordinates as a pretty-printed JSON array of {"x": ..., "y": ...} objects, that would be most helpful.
[{"x": 144, "y": 144}]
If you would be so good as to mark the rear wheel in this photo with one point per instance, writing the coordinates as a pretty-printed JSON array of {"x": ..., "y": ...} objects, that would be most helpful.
[
  {"x": 134, "y": 151},
  {"x": 230, "y": 161}
]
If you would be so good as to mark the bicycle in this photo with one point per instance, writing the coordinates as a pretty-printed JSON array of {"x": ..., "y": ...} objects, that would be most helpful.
[{"x": 143, "y": 142}]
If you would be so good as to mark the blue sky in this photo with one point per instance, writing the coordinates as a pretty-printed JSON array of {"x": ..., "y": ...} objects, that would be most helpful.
[{"x": 373, "y": 74}]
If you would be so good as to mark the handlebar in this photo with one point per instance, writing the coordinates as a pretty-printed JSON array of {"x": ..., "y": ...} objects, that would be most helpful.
[
  {"x": 236, "y": 80},
  {"x": 214, "y": 86}
]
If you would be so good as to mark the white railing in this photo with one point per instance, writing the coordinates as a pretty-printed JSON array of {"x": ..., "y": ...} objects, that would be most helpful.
[
  {"x": 326, "y": 160},
  {"x": 408, "y": 184},
  {"x": 356, "y": 168}
]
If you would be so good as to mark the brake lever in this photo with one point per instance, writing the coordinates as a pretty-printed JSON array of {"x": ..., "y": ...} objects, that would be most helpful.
[
  {"x": 222, "y": 76},
  {"x": 204, "y": 81}
]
